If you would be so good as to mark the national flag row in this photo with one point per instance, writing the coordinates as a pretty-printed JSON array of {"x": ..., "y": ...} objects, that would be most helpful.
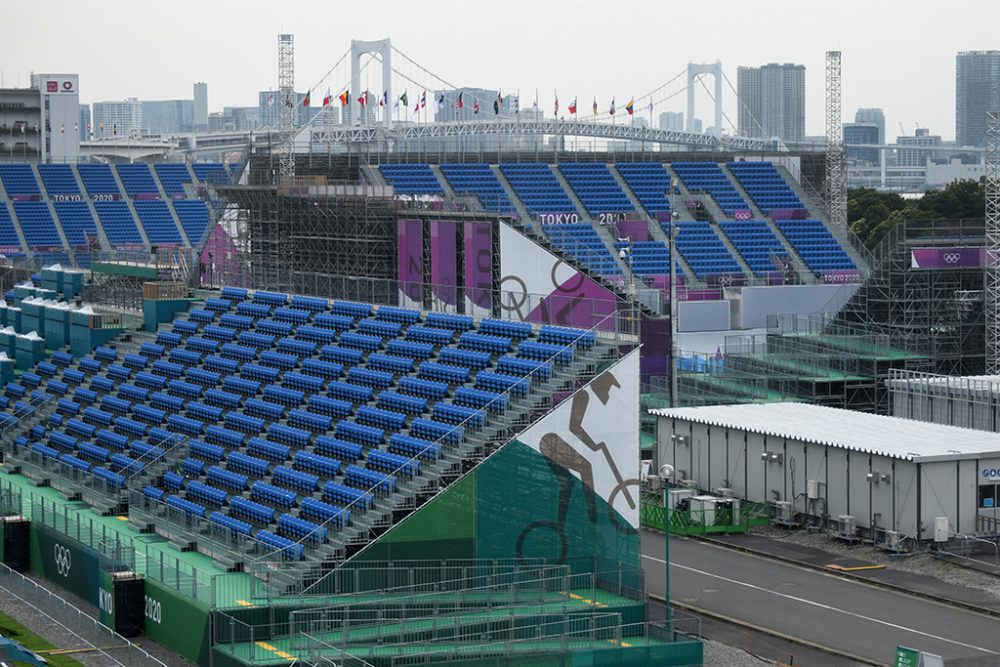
[{"x": 420, "y": 103}]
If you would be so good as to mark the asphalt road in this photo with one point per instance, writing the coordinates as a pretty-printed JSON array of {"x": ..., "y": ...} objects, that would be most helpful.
[{"x": 817, "y": 607}]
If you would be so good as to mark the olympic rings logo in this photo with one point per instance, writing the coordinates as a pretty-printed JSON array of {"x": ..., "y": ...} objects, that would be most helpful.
[
  {"x": 725, "y": 280},
  {"x": 64, "y": 560},
  {"x": 951, "y": 257}
]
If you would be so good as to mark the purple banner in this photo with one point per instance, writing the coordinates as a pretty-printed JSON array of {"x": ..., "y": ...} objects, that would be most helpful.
[
  {"x": 636, "y": 230},
  {"x": 220, "y": 258},
  {"x": 685, "y": 294},
  {"x": 107, "y": 197},
  {"x": 61, "y": 198},
  {"x": 130, "y": 247},
  {"x": 742, "y": 214},
  {"x": 788, "y": 213},
  {"x": 655, "y": 336},
  {"x": 10, "y": 250},
  {"x": 444, "y": 261},
  {"x": 178, "y": 195},
  {"x": 478, "y": 263},
  {"x": 145, "y": 196},
  {"x": 947, "y": 258},
  {"x": 410, "y": 256},
  {"x": 26, "y": 197}
]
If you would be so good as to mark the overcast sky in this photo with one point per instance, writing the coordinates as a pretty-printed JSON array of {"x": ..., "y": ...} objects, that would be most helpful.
[{"x": 898, "y": 55}]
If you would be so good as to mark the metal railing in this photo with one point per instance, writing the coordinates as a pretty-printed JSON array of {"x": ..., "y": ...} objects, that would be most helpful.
[{"x": 97, "y": 638}]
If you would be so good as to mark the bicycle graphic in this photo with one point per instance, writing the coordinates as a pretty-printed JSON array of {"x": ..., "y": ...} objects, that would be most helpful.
[{"x": 564, "y": 460}]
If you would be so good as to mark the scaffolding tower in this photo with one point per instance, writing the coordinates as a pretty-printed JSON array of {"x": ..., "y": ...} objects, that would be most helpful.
[
  {"x": 992, "y": 277},
  {"x": 286, "y": 90},
  {"x": 836, "y": 172}
]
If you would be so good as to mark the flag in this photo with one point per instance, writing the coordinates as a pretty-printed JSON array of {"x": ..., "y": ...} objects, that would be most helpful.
[
  {"x": 629, "y": 108},
  {"x": 416, "y": 105},
  {"x": 572, "y": 107},
  {"x": 404, "y": 99},
  {"x": 651, "y": 104},
  {"x": 612, "y": 109},
  {"x": 62, "y": 129},
  {"x": 288, "y": 101},
  {"x": 270, "y": 99},
  {"x": 363, "y": 99},
  {"x": 475, "y": 107},
  {"x": 305, "y": 100},
  {"x": 556, "y": 112},
  {"x": 344, "y": 97},
  {"x": 517, "y": 103},
  {"x": 534, "y": 106},
  {"x": 439, "y": 105},
  {"x": 423, "y": 100},
  {"x": 496, "y": 105},
  {"x": 595, "y": 106},
  {"x": 460, "y": 102},
  {"x": 385, "y": 98},
  {"x": 327, "y": 98}
]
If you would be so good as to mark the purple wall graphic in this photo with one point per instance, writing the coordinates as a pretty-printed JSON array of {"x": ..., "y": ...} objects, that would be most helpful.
[
  {"x": 637, "y": 230},
  {"x": 655, "y": 337},
  {"x": 411, "y": 259},
  {"x": 478, "y": 263},
  {"x": 839, "y": 277},
  {"x": 788, "y": 213},
  {"x": 948, "y": 258},
  {"x": 444, "y": 261},
  {"x": 577, "y": 302}
]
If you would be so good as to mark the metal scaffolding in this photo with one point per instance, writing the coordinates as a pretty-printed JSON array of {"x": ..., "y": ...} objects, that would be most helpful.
[
  {"x": 286, "y": 90},
  {"x": 992, "y": 277},
  {"x": 836, "y": 173}
]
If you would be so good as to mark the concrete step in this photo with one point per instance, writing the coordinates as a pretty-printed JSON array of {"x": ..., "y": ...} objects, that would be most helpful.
[
  {"x": 633, "y": 199},
  {"x": 757, "y": 213},
  {"x": 519, "y": 206},
  {"x": 581, "y": 210}
]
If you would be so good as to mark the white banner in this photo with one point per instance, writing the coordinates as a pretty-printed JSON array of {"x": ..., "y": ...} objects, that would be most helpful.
[{"x": 595, "y": 435}]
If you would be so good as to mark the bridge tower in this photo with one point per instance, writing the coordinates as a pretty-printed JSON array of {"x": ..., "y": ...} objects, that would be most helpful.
[
  {"x": 693, "y": 72},
  {"x": 289, "y": 107},
  {"x": 357, "y": 115}
]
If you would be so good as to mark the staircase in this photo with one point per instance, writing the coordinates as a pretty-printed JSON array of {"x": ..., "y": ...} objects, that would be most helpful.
[
  {"x": 747, "y": 271},
  {"x": 522, "y": 212},
  {"x": 657, "y": 234},
  {"x": 677, "y": 200},
  {"x": 564, "y": 184},
  {"x": 735, "y": 182},
  {"x": 800, "y": 266},
  {"x": 17, "y": 227},
  {"x": 604, "y": 231},
  {"x": 449, "y": 192},
  {"x": 620, "y": 180}
]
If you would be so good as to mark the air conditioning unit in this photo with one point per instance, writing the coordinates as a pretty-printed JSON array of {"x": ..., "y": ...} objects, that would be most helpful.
[
  {"x": 848, "y": 528},
  {"x": 783, "y": 513},
  {"x": 724, "y": 491},
  {"x": 893, "y": 540},
  {"x": 812, "y": 489},
  {"x": 653, "y": 483}
]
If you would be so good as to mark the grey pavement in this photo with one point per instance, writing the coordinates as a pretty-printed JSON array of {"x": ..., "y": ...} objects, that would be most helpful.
[{"x": 825, "y": 609}]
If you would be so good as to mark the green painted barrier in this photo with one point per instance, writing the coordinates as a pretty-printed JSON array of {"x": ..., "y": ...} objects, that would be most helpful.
[{"x": 699, "y": 522}]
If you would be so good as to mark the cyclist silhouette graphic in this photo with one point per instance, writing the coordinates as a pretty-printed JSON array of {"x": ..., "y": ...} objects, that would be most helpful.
[{"x": 564, "y": 460}]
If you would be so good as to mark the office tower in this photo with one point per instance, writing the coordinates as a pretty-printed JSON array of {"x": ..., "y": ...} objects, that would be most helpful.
[
  {"x": 874, "y": 117},
  {"x": 977, "y": 91},
  {"x": 772, "y": 101},
  {"x": 117, "y": 119},
  {"x": 200, "y": 112},
  {"x": 672, "y": 120}
]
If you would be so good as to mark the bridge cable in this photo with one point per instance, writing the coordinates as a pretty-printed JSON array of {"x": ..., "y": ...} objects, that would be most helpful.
[
  {"x": 659, "y": 88},
  {"x": 425, "y": 70},
  {"x": 327, "y": 75},
  {"x": 739, "y": 100},
  {"x": 724, "y": 114}
]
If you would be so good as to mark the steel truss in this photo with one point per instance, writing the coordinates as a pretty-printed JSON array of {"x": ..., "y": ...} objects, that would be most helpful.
[
  {"x": 367, "y": 134},
  {"x": 836, "y": 171},
  {"x": 992, "y": 286}
]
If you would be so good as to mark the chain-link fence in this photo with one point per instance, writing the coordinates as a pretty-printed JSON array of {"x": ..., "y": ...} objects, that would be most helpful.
[{"x": 87, "y": 633}]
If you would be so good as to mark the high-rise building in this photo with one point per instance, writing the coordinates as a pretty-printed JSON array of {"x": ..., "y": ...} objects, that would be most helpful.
[
  {"x": 977, "y": 91},
  {"x": 875, "y": 117},
  {"x": 772, "y": 101},
  {"x": 910, "y": 157},
  {"x": 85, "y": 127},
  {"x": 200, "y": 111},
  {"x": 167, "y": 116},
  {"x": 862, "y": 133},
  {"x": 672, "y": 120},
  {"x": 117, "y": 119}
]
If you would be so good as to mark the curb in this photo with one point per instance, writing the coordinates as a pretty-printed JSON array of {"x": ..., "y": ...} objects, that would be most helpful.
[
  {"x": 772, "y": 633},
  {"x": 986, "y": 611}
]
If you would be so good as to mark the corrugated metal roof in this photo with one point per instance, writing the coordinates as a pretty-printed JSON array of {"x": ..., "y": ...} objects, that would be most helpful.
[{"x": 858, "y": 431}]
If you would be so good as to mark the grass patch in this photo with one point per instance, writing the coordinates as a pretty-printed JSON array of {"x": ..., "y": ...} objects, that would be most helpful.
[{"x": 13, "y": 630}]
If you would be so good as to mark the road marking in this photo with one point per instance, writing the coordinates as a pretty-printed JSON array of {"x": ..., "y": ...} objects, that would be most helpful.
[
  {"x": 855, "y": 568},
  {"x": 825, "y": 606}
]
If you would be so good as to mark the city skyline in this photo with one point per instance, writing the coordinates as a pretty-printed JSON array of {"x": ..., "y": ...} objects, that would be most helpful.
[{"x": 912, "y": 79}]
